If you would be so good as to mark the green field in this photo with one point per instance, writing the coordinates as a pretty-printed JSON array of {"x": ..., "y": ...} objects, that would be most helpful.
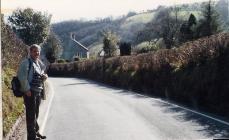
[{"x": 138, "y": 19}]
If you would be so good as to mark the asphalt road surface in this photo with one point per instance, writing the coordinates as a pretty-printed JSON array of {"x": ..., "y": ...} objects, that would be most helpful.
[{"x": 79, "y": 109}]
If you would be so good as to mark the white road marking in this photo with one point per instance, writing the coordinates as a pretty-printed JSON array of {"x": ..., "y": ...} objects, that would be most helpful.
[
  {"x": 51, "y": 90},
  {"x": 215, "y": 119},
  {"x": 201, "y": 114}
]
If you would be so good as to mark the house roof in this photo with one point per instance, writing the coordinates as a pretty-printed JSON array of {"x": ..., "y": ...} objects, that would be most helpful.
[{"x": 80, "y": 44}]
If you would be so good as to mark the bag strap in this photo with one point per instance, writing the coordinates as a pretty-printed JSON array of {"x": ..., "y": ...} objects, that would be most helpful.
[{"x": 30, "y": 66}]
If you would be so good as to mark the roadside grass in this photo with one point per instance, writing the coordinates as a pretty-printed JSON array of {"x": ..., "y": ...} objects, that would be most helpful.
[
  {"x": 13, "y": 50},
  {"x": 12, "y": 107}
]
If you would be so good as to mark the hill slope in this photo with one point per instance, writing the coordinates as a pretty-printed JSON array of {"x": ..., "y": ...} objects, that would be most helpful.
[{"x": 126, "y": 27}]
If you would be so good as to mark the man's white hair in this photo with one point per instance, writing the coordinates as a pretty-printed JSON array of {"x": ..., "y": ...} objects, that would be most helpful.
[{"x": 35, "y": 46}]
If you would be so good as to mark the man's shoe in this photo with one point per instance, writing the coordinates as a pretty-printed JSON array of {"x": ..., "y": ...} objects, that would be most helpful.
[
  {"x": 40, "y": 136},
  {"x": 37, "y": 139}
]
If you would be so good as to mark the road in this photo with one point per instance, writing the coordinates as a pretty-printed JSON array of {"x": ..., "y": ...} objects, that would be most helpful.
[{"x": 79, "y": 109}]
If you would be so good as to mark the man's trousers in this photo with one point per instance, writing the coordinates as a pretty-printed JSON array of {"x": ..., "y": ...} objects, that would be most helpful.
[{"x": 32, "y": 104}]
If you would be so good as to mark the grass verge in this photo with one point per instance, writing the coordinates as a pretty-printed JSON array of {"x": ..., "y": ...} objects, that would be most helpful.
[{"x": 12, "y": 107}]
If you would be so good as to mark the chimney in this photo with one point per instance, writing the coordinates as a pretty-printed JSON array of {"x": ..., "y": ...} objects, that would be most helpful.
[{"x": 72, "y": 36}]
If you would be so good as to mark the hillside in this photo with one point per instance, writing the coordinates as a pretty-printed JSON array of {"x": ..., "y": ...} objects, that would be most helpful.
[
  {"x": 89, "y": 32},
  {"x": 127, "y": 27}
]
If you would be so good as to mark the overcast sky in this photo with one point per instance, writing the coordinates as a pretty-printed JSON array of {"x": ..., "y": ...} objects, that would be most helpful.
[{"x": 86, "y": 9}]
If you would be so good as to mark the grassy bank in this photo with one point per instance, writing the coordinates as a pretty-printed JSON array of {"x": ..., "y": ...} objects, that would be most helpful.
[
  {"x": 194, "y": 74},
  {"x": 12, "y": 107},
  {"x": 13, "y": 50}
]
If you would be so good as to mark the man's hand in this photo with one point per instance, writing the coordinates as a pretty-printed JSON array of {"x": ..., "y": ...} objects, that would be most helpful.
[
  {"x": 44, "y": 77},
  {"x": 28, "y": 93}
]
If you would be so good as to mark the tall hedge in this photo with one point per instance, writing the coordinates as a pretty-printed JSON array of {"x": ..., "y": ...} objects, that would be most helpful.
[{"x": 195, "y": 74}]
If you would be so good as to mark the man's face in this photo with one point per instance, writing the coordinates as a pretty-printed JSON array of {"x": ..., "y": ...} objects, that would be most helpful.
[{"x": 35, "y": 53}]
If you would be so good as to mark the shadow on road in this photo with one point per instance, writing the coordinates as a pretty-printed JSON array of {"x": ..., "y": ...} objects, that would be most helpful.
[{"x": 212, "y": 127}]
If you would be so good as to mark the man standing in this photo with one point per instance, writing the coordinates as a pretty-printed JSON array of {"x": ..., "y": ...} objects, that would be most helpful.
[{"x": 31, "y": 76}]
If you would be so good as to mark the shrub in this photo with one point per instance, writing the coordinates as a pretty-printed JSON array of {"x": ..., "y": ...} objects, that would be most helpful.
[
  {"x": 61, "y": 61},
  {"x": 125, "y": 48},
  {"x": 76, "y": 59}
]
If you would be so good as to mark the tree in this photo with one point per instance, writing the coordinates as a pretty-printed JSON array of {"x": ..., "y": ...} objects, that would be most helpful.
[
  {"x": 110, "y": 44},
  {"x": 166, "y": 25},
  {"x": 13, "y": 50},
  {"x": 131, "y": 13},
  {"x": 125, "y": 48},
  {"x": 222, "y": 8},
  {"x": 52, "y": 47},
  {"x": 31, "y": 26},
  {"x": 209, "y": 24},
  {"x": 147, "y": 34},
  {"x": 192, "y": 20},
  {"x": 187, "y": 29}
]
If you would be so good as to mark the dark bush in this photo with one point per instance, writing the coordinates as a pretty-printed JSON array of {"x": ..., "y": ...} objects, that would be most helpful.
[
  {"x": 125, "y": 48},
  {"x": 61, "y": 61},
  {"x": 76, "y": 59}
]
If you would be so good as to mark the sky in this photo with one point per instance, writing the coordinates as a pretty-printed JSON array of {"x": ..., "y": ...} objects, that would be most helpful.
[{"x": 86, "y": 9}]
